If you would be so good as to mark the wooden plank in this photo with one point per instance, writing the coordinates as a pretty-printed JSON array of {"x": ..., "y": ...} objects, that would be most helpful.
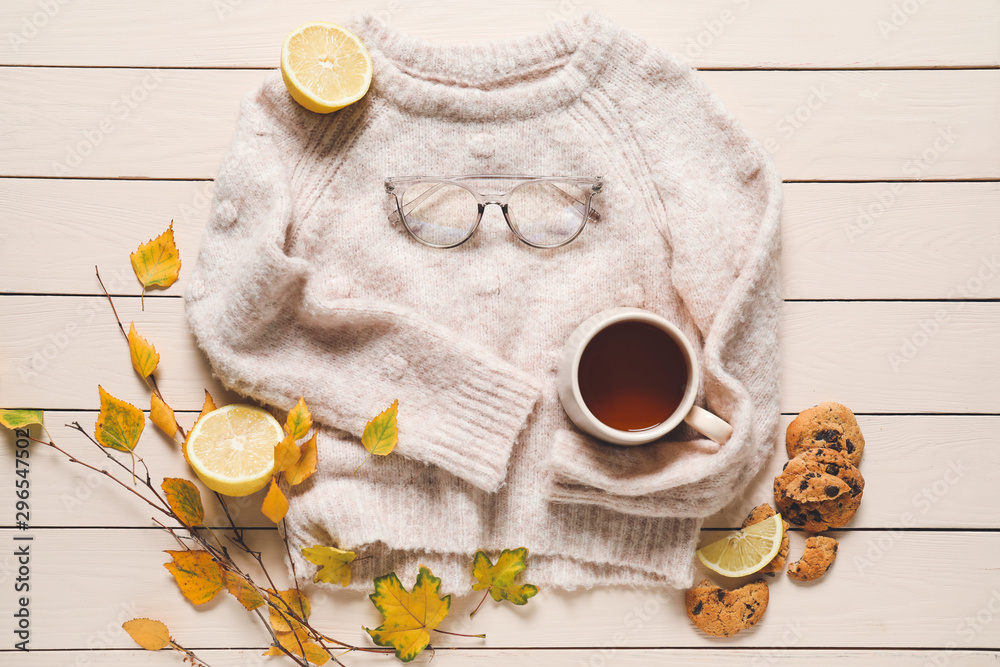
[
  {"x": 891, "y": 240},
  {"x": 922, "y": 472},
  {"x": 714, "y": 33},
  {"x": 625, "y": 657},
  {"x": 839, "y": 240},
  {"x": 868, "y": 599},
  {"x": 900, "y": 357},
  {"x": 820, "y": 125}
]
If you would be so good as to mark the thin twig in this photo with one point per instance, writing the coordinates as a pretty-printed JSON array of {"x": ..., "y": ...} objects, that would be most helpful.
[{"x": 107, "y": 474}]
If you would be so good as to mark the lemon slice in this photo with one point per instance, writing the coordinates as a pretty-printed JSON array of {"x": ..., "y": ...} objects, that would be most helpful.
[
  {"x": 325, "y": 67},
  {"x": 745, "y": 551},
  {"x": 232, "y": 449}
]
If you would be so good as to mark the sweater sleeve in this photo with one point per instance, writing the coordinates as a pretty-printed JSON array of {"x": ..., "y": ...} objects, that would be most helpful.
[
  {"x": 268, "y": 337},
  {"x": 716, "y": 205}
]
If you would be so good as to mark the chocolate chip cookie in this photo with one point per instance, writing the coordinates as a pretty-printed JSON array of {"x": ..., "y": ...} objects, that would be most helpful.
[
  {"x": 818, "y": 489},
  {"x": 757, "y": 515},
  {"x": 829, "y": 425},
  {"x": 817, "y": 558},
  {"x": 723, "y": 613}
]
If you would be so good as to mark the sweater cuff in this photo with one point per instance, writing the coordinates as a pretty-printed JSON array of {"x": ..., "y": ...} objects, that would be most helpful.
[{"x": 473, "y": 437}]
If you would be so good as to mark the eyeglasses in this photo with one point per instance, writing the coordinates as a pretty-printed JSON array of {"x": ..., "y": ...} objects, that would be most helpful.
[{"x": 542, "y": 211}]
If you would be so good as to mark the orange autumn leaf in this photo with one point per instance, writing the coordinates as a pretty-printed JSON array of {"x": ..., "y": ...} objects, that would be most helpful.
[
  {"x": 185, "y": 500},
  {"x": 207, "y": 406},
  {"x": 275, "y": 504},
  {"x": 299, "y": 420},
  {"x": 242, "y": 590},
  {"x": 162, "y": 415},
  {"x": 290, "y": 600},
  {"x": 286, "y": 454},
  {"x": 144, "y": 356},
  {"x": 119, "y": 424},
  {"x": 157, "y": 263},
  {"x": 150, "y": 634},
  {"x": 198, "y": 575},
  {"x": 306, "y": 464}
]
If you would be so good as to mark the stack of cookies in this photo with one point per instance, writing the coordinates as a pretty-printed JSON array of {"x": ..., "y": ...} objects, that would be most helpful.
[{"x": 819, "y": 488}]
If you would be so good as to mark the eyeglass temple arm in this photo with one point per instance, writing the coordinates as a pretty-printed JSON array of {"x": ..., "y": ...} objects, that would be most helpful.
[{"x": 394, "y": 216}]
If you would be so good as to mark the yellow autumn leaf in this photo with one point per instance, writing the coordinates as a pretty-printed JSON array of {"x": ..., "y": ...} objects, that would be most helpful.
[
  {"x": 286, "y": 454},
  {"x": 144, "y": 356},
  {"x": 198, "y": 575},
  {"x": 306, "y": 463},
  {"x": 150, "y": 634},
  {"x": 242, "y": 590},
  {"x": 162, "y": 415},
  {"x": 119, "y": 424},
  {"x": 335, "y": 564},
  {"x": 498, "y": 580},
  {"x": 409, "y": 616},
  {"x": 290, "y": 600},
  {"x": 19, "y": 418},
  {"x": 157, "y": 263},
  {"x": 381, "y": 433},
  {"x": 275, "y": 504},
  {"x": 299, "y": 643},
  {"x": 184, "y": 499},
  {"x": 299, "y": 420}
]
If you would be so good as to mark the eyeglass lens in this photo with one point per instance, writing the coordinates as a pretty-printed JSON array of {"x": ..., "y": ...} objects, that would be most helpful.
[{"x": 543, "y": 213}]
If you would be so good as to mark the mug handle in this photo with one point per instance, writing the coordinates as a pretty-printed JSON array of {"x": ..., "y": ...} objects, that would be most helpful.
[{"x": 708, "y": 424}]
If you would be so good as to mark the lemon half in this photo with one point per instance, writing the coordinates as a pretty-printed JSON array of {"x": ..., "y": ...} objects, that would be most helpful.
[
  {"x": 325, "y": 67},
  {"x": 232, "y": 449},
  {"x": 745, "y": 551}
]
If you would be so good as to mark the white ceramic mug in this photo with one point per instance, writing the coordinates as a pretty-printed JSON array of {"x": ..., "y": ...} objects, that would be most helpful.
[{"x": 568, "y": 382}]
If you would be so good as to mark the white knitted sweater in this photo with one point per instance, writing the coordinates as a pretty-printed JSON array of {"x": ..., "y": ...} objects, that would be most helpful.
[{"x": 302, "y": 286}]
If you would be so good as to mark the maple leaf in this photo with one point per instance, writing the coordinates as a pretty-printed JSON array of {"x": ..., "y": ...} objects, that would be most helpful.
[
  {"x": 286, "y": 454},
  {"x": 289, "y": 600},
  {"x": 498, "y": 580},
  {"x": 157, "y": 263},
  {"x": 184, "y": 499},
  {"x": 299, "y": 420},
  {"x": 150, "y": 634},
  {"x": 162, "y": 415},
  {"x": 242, "y": 590},
  {"x": 306, "y": 463},
  {"x": 198, "y": 575},
  {"x": 409, "y": 617},
  {"x": 381, "y": 433},
  {"x": 335, "y": 564},
  {"x": 14, "y": 419},
  {"x": 275, "y": 503},
  {"x": 144, "y": 356}
]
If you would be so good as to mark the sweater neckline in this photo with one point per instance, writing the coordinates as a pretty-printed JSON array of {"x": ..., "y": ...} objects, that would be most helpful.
[{"x": 488, "y": 80}]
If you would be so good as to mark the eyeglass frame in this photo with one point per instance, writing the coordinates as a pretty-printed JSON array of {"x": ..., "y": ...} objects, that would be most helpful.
[{"x": 400, "y": 183}]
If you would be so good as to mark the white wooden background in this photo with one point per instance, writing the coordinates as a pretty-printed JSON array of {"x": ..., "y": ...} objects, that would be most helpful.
[{"x": 891, "y": 235}]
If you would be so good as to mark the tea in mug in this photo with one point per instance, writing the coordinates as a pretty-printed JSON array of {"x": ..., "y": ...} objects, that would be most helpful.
[{"x": 632, "y": 375}]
